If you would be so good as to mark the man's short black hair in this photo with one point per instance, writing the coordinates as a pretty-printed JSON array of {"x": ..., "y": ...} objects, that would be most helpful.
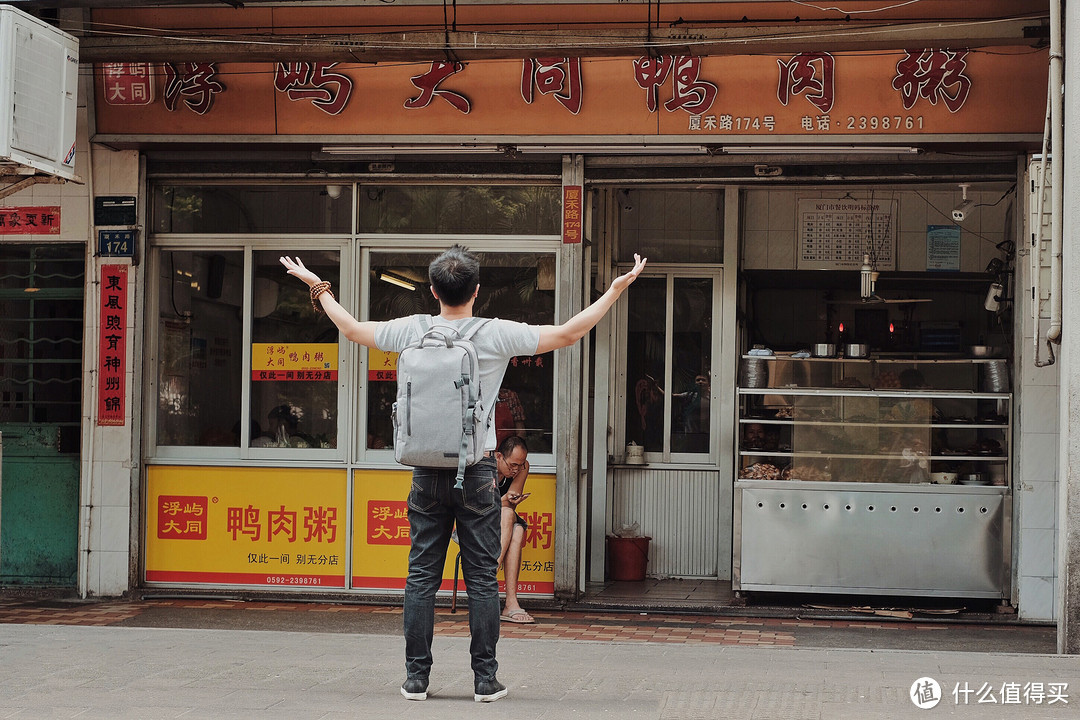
[
  {"x": 454, "y": 275},
  {"x": 511, "y": 443}
]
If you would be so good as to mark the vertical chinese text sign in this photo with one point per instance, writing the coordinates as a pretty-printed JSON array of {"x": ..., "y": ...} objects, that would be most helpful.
[{"x": 112, "y": 356}]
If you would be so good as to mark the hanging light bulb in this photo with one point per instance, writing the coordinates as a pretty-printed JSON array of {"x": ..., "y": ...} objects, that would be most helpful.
[{"x": 866, "y": 279}]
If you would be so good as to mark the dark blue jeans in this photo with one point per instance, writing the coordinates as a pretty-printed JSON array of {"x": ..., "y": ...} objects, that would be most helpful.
[{"x": 434, "y": 507}]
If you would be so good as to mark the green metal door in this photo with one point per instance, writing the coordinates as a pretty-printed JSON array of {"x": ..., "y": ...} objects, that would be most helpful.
[{"x": 41, "y": 330}]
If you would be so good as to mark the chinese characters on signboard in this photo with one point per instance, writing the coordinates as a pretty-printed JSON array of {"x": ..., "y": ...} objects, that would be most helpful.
[
  {"x": 128, "y": 83},
  {"x": 112, "y": 357},
  {"x": 30, "y": 220},
  {"x": 836, "y": 234},
  {"x": 294, "y": 361},
  {"x": 382, "y": 366},
  {"x": 713, "y": 98},
  {"x": 251, "y": 526},
  {"x": 572, "y": 214}
]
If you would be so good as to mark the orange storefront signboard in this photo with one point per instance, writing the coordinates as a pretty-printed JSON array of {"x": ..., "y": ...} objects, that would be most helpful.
[
  {"x": 864, "y": 95},
  {"x": 246, "y": 526},
  {"x": 380, "y": 557}
]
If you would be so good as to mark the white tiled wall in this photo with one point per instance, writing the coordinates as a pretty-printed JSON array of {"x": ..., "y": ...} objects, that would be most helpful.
[
  {"x": 769, "y": 216},
  {"x": 1035, "y": 487}
]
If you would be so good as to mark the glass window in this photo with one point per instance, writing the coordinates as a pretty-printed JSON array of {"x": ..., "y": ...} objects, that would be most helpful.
[
  {"x": 294, "y": 357},
  {"x": 476, "y": 209},
  {"x": 669, "y": 364},
  {"x": 200, "y": 303},
  {"x": 235, "y": 209},
  {"x": 671, "y": 226},
  {"x": 513, "y": 286},
  {"x": 41, "y": 301}
]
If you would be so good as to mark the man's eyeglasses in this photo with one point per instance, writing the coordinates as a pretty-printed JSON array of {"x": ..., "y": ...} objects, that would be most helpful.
[{"x": 514, "y": 467}]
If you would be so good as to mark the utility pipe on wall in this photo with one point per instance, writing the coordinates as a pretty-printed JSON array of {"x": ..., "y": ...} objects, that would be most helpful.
[
  {"x": 1057, "y": 167},
  {"x": 1035, "y": 258}
]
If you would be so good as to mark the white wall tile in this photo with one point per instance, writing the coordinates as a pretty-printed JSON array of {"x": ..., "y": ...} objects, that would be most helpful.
[
  {"x": 1037, "y": 554},
  {"x": 1031, "y": 375},
  {"x": 113, "y": 575},
  {"x": 755, "y": 250},
  {"x": 911, "y": 251},
  {"x": 1038, "y": 454},
  {"x": 781, "y": 210},
  {"x": 1039, "y": 409},
  {"x": 755, "y": 210},
  {"x": 1037, "y": 503},
  {"x": 115, "y": 530},
  {"x": 912, "y": 214},
  {"x": 1036, "y": 598},
  {"x": 782, "y": 250},
  {"x": 116, "y": 489}
]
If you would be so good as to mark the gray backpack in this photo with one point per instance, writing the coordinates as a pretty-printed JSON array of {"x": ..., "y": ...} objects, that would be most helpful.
[{"x": 440, "y": 419}]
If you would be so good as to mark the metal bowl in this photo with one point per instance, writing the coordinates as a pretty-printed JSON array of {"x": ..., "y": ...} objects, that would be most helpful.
[
  {"x": 982, "y": 351},
  {"x": 856, "y": 350},
  {"x": 823, "y": 350}
]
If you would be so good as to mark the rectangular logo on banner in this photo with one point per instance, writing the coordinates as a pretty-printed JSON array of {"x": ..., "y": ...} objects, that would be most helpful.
[
  {"x": 571, "y": 214},
  {"x": 112, "y": 338},
  {"x": 41, "y": 220}
]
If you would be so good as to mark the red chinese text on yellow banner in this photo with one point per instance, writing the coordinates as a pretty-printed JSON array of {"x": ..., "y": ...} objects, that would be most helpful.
[
  {"x": 294, "y": 361},
  {"x": 246, "y": 526}
]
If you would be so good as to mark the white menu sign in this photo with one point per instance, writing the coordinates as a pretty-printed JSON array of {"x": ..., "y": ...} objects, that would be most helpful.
[{"x": 835, "y": 233}]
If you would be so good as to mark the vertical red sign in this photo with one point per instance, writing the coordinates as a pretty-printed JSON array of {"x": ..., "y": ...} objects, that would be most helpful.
[
  {"x": 571, "y": 214},
  {"x": 112, "y": 335}
]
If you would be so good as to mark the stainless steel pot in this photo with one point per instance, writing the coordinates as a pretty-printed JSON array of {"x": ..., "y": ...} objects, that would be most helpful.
[
  {"x": 856, "y": 350},
  {"x": 823, "y": 350}
]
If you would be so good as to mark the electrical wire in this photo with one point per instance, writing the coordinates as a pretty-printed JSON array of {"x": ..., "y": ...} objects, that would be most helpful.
[
  {"x": 559, "y": 38},
  {"x": 854, "y": 12},
  {"x": 948, "y": 216}
]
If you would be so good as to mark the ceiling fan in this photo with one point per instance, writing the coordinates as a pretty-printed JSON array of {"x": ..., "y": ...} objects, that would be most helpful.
[{"x": 867, "y": 281}]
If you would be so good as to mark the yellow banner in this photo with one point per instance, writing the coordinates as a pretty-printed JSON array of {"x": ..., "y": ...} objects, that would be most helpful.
[
  {"x": 382, "y": 366},
  {"x": 380, "y": 544},
  {"x": 246, "y": 526},
  {"x": 294, "y": 361}
]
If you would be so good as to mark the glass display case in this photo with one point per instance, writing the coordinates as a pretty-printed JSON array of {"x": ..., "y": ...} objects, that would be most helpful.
[
  {"x": 881, "y": 420},
  {"x": 883, "y": 475}
]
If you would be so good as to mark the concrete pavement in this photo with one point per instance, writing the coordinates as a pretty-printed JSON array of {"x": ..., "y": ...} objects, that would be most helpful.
[{"x": 120, "y": 672}]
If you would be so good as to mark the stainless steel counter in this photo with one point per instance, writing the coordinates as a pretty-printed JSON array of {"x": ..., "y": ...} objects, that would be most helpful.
[{"x": 872, "y": 538}]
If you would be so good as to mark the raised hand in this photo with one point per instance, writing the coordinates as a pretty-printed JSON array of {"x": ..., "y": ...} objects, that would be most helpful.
[
  {"x": 296, "y": 268},
  {"x": 623, "y": 281}
]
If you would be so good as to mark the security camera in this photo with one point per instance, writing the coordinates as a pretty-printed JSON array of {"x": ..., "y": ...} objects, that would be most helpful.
[{"x": 961, "y": 211}]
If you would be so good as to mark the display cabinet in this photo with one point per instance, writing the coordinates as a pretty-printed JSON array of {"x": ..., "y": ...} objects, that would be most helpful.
[{"x": 844, "y": 464}]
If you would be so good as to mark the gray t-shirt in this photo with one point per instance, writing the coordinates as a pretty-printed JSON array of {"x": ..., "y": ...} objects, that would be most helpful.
[{"x": 495, "y": 343}]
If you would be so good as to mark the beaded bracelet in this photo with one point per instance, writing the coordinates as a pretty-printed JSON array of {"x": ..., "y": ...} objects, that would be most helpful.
[{"x": 318, "y": 289}]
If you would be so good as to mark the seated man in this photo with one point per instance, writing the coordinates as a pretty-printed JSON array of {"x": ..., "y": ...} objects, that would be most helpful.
[{"x": 513, "y": 468}]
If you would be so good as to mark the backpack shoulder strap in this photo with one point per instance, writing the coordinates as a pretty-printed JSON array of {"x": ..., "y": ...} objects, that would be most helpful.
[{"x": 469, "y": 329}]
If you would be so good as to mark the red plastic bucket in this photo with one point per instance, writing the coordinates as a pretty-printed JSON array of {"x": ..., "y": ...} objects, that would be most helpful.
[{"x": 627, "y": 557}]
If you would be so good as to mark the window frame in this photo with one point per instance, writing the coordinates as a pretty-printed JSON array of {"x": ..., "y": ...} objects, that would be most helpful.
[
  {"x": 247, "y": 245},
  {"x": 620, "y": 399},
  {"x": 370, "y": 244}
]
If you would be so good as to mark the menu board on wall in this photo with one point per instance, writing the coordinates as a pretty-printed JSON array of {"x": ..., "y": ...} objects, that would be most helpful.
[{"x": 835, "y": 233}]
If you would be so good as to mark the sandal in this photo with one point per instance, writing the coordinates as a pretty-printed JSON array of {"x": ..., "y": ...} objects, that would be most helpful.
[{"x": 519, "y": 617}]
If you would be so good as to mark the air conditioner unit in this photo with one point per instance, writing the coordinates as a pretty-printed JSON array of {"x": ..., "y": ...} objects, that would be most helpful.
[{"x": 39, "y": 76}]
